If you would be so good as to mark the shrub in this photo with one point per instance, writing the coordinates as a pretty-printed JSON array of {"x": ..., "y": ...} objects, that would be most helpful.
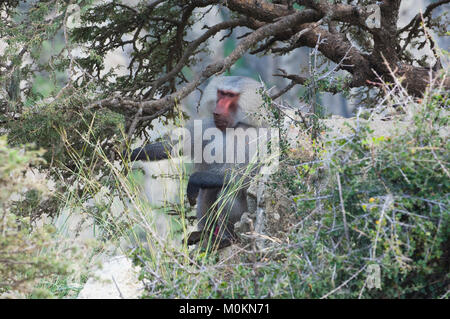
[
  {"x": 385, "y": 203},
  {"x": 371, "y": 212},
  {"x": 24, "y": 253}
]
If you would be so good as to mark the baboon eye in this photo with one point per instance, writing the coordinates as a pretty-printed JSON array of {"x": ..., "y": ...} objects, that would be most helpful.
[{"x": 227, "y": 93}]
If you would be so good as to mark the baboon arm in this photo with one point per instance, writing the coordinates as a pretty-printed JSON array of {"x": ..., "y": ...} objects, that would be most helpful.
[
  {"x": 192, "y": 193},
  {"x": 207, "y": 179},
  {"x": 151, "y": 152},
  {"x": 203, "y": 180}
]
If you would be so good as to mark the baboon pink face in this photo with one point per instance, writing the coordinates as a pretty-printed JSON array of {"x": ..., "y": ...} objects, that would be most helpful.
[{"x": 226, "y": 107}]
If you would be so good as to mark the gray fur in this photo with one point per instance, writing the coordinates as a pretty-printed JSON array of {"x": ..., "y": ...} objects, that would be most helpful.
[{"x": 216, "y": 203}]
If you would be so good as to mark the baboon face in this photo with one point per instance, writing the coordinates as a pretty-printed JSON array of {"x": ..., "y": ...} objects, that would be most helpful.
[{"x": 226, "y": 108}]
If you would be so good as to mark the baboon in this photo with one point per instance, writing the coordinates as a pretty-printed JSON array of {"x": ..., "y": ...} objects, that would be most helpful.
[{"x": 218, "y": 187}]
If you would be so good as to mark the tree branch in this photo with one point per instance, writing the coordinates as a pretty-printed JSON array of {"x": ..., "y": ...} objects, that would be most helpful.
[
  {"x": 152, "y": 106},
  {"x": 259, "y": 9},
  {"x": 190, "y": 50}
]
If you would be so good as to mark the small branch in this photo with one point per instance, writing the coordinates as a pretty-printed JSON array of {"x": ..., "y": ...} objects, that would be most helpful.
[
  {"x": 293, "y": 77},
  {"x": 283, "y": 91},
  {"x": 387, "y": 203},
  {"x": 344, "y": 218},
  {"x": 295, "y": 39},
  {"x": 117, "y": 287},
  {"x": 415, "y": 22},
  {"x": 190, "y": 50},
  {"x": 344, "y": 283}
]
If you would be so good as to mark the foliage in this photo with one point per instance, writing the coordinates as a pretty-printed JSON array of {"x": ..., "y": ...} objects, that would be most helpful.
[
  {"x": 394, "y": 192},
  {"x": 57, "y": 92},
  {"x": 60, "y": 129},
  {"x": 152, "y": 33},
  {"x": 38, "y": 101},
  {"x": 24, "y": 250}
]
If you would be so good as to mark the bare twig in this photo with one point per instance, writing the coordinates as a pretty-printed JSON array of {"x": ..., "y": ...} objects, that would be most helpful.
[
  {"x": 344, "y": 283},
  {"x": 344, "y": 218}
]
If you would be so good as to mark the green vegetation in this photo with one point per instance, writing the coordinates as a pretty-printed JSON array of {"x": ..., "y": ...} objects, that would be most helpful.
[
  {"x": 358, "y": 210},
  {"x": 394, "y": 193},
  {"x": 26, "y": 252}
]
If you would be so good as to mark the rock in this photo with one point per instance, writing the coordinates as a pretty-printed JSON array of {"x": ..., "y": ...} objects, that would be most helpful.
[
  {"x": 115, "y": 280},
  {"x": 244, "y": 226}
]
